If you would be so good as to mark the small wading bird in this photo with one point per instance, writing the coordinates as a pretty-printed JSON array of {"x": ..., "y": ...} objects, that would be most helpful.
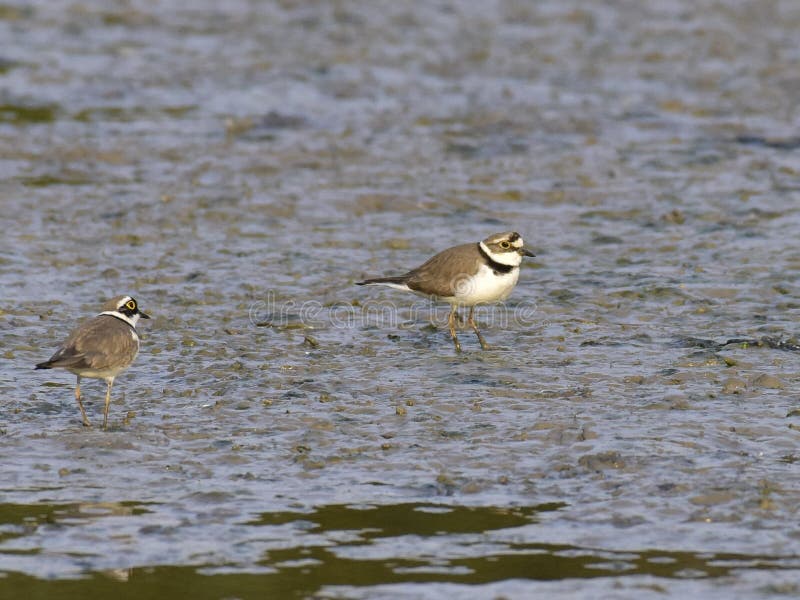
[
  {"x": 101, "y": 348},
  {"x": 466, "y": 275}
]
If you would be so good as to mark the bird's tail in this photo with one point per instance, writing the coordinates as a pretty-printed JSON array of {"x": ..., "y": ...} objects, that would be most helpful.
[
  {"x": 382, "y": 281},
  {"x": 45, "y": 365}
]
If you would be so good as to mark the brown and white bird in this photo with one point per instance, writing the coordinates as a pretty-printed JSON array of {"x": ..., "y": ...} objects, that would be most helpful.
[
  {"x": 466, "y": 275},
  {"x": 101, "y": 348}
]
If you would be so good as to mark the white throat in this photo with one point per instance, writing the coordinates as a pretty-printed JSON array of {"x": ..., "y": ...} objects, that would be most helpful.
[
  {"x": 511, "y": 259},
  {"x": 132, "y": 320}
]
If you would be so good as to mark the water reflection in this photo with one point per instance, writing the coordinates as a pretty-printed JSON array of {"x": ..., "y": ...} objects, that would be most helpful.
[{"x": 347, "y": 547}]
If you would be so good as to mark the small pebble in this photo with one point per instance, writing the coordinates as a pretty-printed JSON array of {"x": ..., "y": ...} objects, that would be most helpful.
[
  {"x": 734, "y": 386},
  {"x": 767, "y": 381}
]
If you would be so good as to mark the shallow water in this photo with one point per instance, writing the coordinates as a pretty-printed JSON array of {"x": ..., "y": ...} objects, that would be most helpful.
[{"x": 238, "y": 166}]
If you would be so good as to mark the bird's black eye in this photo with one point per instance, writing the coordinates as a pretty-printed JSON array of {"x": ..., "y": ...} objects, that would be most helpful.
[
  {"x": 130, "y": 305},
  {"x": 505, "y": 245}
]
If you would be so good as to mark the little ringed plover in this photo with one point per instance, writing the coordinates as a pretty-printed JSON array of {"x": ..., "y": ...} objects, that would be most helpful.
[
  {"x": 466, "y": 275},
  {"x": 101, "y": 348}
]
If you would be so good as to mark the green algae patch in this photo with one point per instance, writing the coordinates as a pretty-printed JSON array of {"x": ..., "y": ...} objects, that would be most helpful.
[{"x": 23, "y": 114}]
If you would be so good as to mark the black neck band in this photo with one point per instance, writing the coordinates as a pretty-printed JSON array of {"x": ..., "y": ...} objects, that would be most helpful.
[{"x": 493, "y": 264}]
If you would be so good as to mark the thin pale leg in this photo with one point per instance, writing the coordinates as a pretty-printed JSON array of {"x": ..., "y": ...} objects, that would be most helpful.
[
  {"x": 80, "y": 404},
  {"x": 474, "y": 325},
  {"x": 110, "y": 382},
  {"x": 451, "y": 323}
]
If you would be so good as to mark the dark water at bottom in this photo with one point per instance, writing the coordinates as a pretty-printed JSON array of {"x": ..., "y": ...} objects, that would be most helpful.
[{"x": 345, "y": 551}]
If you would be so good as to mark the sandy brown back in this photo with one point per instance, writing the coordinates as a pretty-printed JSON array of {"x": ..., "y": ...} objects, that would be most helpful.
[
  {"x": 441, "y": 273},
  {"x": 103, "y": 342}
]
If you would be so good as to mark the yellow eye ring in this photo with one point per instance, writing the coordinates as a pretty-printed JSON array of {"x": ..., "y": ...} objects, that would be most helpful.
[
  {"x": 131, "y": 305},
  {"x": 505, "y": 245}
]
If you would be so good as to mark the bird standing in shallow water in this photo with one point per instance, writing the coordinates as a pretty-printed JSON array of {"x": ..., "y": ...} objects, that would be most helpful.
[
  {"x": 466, "y": 275},
  {"x": 101, "y": 348}
]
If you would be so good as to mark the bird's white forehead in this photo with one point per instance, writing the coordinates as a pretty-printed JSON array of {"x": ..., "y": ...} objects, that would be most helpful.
[{"x": 517, "y": 243}]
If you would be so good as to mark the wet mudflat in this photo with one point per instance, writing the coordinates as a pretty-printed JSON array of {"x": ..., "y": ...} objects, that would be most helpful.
[{"x": 632, "y": 432}]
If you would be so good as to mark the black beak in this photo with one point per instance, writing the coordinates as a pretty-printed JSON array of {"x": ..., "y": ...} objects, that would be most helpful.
[
  {"x": 526, "y": 252},
  {"x": 144, "y": 315}
]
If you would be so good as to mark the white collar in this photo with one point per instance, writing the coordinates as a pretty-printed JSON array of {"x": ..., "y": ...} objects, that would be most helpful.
[
  {"x": 129, "y": 320},
  {"x": 509, "y": 259}
]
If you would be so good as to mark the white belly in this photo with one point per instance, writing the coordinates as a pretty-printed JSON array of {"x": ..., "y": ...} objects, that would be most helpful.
[
  {"x": 485, "y": 287},
  {"x": 98, "y": 374}
]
